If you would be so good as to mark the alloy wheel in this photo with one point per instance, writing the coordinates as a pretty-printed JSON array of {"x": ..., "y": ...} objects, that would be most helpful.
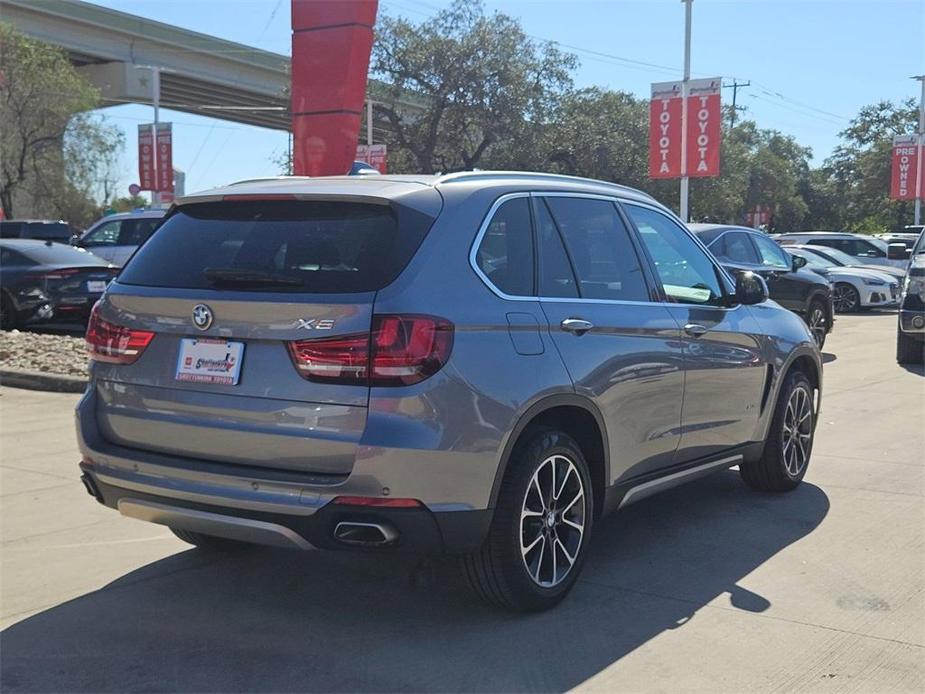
[
  {"x": 845, "y": 298},
  {"x": 817, "y": 325},
  {"x": 797, "y": 432},
  {"x": 552, "y": 521}
]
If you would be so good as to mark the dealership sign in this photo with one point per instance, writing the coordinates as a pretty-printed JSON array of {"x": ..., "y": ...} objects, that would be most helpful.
[
  {"x": 147, "y": 170},
  {"x": 906, "y": 152},
  {"x": 666, "y": 129},
  {"x": 164, "y": 140}
]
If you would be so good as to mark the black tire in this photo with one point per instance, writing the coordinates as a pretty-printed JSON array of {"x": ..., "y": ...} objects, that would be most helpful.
[
  {"x": 209, "y": 542},
  {"x": 815, "y": 313},
  {"x": 909, "y": 350},
  {"x": 846, "y": 298},
  {"x": 7, "y": 313},
  {"x": 498, "y": 572},
  {"x": 775, "y": 470}
]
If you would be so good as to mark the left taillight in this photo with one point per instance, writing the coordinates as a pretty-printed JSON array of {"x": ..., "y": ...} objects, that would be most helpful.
[{"x": 114, "y": 344}]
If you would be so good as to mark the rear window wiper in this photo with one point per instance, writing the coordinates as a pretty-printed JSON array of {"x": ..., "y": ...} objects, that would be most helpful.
[{"x": 232, "y": 276}]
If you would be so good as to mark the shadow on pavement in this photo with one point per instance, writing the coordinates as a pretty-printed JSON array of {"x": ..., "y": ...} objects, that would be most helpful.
[
  {"x": 914, "y": 368},
  {"x": 828, "y": 358},
  {"x": 272, "y": 620}
]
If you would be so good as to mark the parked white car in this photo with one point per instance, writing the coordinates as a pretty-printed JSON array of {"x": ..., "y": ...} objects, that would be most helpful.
[
  {"x": 853, "y": 288},
  {"x": 116, "y": 236},
  {"x": 842, "y": 259},
  {"x": 868, "y": 250}
]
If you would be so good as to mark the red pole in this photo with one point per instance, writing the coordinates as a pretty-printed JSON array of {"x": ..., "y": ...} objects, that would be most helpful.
[{"x": 331, "y": 44}]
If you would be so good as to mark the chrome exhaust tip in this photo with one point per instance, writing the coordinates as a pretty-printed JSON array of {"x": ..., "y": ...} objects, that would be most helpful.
[{"x": 365, "y": 534}]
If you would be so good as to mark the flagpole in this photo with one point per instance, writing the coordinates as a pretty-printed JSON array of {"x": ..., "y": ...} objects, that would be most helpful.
[{"x": 685, "y": 181}]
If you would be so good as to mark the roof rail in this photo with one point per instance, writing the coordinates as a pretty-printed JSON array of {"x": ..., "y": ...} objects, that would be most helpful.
[{"x": 532, "y": 175}]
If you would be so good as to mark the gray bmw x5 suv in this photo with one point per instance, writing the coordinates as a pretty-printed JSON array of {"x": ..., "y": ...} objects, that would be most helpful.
[{"x": 479, "y": 364}]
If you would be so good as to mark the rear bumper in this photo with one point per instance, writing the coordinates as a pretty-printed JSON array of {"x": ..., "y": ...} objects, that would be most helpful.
[
  {"x": 243, "y": 502},
  {"x": 417, "y": 530}
]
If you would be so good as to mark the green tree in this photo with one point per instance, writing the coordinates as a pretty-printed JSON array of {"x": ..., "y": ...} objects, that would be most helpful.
[
  {"x": 480, "y": 81},
  {"x": 39, "y": 92},
  {"x": 859, "y": 169}
]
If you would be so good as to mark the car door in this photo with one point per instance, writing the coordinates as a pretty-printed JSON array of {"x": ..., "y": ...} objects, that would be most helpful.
[
  {"x": 622, "y": 349},
  {"x": 724, "y": 367},
  {"x": 785, "y": 285}
]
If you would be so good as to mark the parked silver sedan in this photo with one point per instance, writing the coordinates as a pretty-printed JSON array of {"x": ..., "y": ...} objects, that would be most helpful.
[{"x": 853, "y": 288}]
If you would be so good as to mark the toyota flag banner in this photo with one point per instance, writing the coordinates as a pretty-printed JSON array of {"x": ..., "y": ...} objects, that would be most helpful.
[
  {"x": 665, "y": 130},
  {"x": 704, "y": 120},
  {"x": 164, "y": 138},
  {"x": 146, "y": 169},
  {"x": 905, "y": 167}
]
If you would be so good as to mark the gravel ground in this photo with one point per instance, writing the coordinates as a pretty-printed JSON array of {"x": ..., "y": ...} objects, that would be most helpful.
[{"x": 54, "y": 354}]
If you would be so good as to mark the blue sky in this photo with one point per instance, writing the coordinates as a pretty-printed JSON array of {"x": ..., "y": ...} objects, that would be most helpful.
[{"x": 812, "y": 63}]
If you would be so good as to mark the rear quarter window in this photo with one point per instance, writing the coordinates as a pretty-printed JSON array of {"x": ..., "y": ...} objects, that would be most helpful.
[{"x": 321, "y": 247}]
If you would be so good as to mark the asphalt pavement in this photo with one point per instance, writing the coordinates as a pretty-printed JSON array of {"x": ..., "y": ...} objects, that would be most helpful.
[{"x": 705, "y": 587}]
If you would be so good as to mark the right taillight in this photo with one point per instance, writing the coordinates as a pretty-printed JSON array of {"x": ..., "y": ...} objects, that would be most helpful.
[
  {"x": 114, "y": 344},
  {"x": 401, "y": 350}
]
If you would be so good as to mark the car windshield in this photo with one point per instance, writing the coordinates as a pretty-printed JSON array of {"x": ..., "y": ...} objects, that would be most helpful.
[
  {"x": 812, "y": 260},
  {"x": 836, "y": 256},
  {"x": 919, "y": 245}
]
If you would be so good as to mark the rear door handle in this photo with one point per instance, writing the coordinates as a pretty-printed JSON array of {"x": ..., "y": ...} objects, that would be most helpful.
[
  {"x": 694, "y": 330},
  {"x": 578, "y": 326}
]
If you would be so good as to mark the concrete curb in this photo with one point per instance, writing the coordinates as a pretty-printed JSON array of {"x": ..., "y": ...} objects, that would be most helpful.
[{"x": 38, "y": 380}]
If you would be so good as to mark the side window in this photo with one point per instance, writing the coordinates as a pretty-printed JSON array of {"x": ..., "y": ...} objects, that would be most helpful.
[
  {"x": 505, "y": 254},
  {"x": 600, "y": 249},
  {"x": 105, "y": 235},
  {"x": 840, "y": 244},
  {"x": 772, "y": 255},
  {"x": 735, "y": 247},
  {"x": 687, "y": 273},
  {"x": 135, "y": 232},
  {"x": 865, "y": 249},
  {"x": 556, "y": 277}
]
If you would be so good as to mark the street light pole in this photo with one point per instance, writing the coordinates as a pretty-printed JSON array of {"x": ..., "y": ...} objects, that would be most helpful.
[
  {"x": 156, "y": 100},
  {"x": 685, "y": 181},
  {"x": 920, "y": 143}
]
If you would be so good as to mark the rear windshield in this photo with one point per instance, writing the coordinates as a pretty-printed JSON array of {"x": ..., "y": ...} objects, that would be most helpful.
[
  {"x": 316, "y": 247},
  {"x": 35, "y": 230}
]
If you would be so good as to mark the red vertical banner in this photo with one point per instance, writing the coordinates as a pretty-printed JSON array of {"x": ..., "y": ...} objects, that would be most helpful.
[
  {"x": 331, "y": 44},
  {"x": 704, "y": 121},
  {"x": 665, "y": 110},
  {"x": 164, "y": 141},
  {"x": 146, "y": 169},
  {"x": 906, "y": 151}
]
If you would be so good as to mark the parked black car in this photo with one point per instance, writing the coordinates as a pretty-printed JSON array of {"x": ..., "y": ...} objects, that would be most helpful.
[
  {"x": 43, "y": 229},
  {"x": 805, "y": 293},
  {"x": 45, "y": 282},
  {"x": 910, "y": 331}
]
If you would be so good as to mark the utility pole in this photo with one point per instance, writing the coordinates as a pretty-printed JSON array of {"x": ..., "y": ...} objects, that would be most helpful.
[
  {"x": 156, "y": 100},
  {"x": 369, "y": 121},
  {"x": 735, "y": 90},
  {"x": 685, "y": 181},
  {"x": 921, "y": 150}
]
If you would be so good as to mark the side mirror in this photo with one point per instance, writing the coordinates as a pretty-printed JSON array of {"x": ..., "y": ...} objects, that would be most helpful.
[
  {"x": 898, "y": 251},
  {"x": 750, "y": 288},
  {"x": 798, "y": 262},
  {"x": 75, "y": 241}
]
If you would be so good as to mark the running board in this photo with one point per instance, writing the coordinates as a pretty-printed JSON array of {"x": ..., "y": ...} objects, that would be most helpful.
[{"x": 645, "y": 489}]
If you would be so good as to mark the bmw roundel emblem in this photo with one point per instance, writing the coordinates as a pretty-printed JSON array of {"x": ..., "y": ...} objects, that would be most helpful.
[{"x": 202, "y": 316}]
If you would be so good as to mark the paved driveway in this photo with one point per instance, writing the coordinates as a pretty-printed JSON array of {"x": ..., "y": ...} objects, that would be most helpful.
[{"x": 706, "y": 587}]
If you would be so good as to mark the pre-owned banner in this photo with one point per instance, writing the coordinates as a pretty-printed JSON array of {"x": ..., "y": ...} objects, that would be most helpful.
[
  {"x": 164, "y": 135},
  {"x": 704, "y": 120},
  {"x": 906, "y": 151},
  {"x": 147, "y": 177},
  {"x": 665, "y": 130}
]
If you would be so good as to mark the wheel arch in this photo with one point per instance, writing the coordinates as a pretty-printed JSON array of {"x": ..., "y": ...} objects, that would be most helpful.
[{"x": 576, "y": 416}]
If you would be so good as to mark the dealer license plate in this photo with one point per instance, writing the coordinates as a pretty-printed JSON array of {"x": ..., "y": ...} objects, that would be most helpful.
[{"x": 206, "y": 360}]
